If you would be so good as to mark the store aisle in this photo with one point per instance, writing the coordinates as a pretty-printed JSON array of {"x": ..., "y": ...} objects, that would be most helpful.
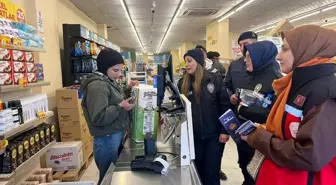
[{"x": 229, "y": 166}]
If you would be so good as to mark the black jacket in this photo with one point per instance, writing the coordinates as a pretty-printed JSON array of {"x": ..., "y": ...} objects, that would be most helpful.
[
  {"x": 220, "y": 67},
  {"x": 235, "y": 77},
  {"x": 214, "y": 101},
  {"x": 263, "y": 79}
]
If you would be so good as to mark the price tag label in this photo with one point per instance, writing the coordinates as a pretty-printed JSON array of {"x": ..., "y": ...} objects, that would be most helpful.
[
  {"x": 41, "y": 115},
  {"x": 23, "y": 82},
  {"x": 3, "y": 144}
]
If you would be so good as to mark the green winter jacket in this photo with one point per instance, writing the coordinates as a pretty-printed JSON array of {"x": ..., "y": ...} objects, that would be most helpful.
[{"x": 101, "y": 98}]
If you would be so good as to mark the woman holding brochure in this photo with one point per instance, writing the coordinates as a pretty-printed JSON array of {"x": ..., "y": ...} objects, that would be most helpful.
[
  {"x": 209, "y": 100},
  {"x": 298, "y": 144},
  {"x": 260, "y": 65}
]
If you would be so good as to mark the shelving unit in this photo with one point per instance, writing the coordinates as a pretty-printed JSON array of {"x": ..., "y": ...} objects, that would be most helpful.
[
  {"x": 9, "y": 88},
  {"x": 25, "y": 126},
  {"x": 31, "y": 49},
  {"x": 25, "y": 169}
]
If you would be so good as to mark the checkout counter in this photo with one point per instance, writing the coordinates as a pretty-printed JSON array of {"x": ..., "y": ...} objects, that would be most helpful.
[{"x": 176, "y": 143}]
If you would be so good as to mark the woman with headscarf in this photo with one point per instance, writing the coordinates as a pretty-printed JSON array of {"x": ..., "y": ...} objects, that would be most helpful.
[
  {"x": 298, "y": 142},
  {"x": 209, "y": 100},
  {"x": 260, "y": 62}
]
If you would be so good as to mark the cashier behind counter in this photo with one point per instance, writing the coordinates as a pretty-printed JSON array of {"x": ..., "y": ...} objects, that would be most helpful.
[{"x": 106, "y": 108}]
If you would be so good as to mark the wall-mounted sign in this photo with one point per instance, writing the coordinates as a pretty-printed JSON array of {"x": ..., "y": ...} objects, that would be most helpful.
[
  {"x": 12, "y": 12},
  {"x": 40, "y": 24}
]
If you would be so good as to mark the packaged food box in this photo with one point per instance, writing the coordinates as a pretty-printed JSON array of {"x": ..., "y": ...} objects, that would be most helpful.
[
  {"x": 19, "y": 67},
  {"x": 10, "y": 159},
  {"x": 18, "y": 56},
  {"x": 20, "y": 157},
  {"x": 65, "y": 156},
  {"x": 6, "y": 79},
  {"x": 30, "y": 57},
  {"x": 40, "y": 77},
  {"x": 18, "y": 76},
  {"x": 5, "y": 66},
  {"x": 32, "y": 78},
  {"x": 39, "y": 68},
  {"x": 5, "y": 54},
  {"x": 32, "y": 146},
  {"x": 31, "y": 68}
]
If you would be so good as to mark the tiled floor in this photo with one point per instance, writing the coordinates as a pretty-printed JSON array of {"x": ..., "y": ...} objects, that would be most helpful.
[{"x": 229, "y": 166}]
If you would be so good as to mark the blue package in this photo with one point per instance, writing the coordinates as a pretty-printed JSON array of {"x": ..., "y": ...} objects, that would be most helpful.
[
  {"x": 231, "y": 124},
  {"x": 246, "y": 128}
]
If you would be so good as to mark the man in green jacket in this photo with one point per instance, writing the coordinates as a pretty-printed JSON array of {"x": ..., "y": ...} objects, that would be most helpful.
[{"x": 106, "y": 108}]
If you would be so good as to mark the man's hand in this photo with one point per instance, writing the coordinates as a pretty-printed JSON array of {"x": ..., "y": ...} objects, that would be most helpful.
[
  {"x": 223, "y": 138},
  {"x": 126, "y": 105},
  {"x": 132, "y": 84},
  {"x": 234, "y": 99}
]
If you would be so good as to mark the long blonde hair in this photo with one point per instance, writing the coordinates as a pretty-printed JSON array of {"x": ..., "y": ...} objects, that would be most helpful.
[{"x": 199, "y": 73}]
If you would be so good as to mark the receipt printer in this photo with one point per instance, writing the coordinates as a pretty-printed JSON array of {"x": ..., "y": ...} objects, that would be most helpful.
[{"x": 157, "y": 163}]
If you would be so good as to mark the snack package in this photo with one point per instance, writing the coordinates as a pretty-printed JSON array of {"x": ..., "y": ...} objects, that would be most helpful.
[
  {"x": 5, "y": 66},
  {"x": 32, "y": 77},
  {"x": 19, "y": 67},
  {"x": 20, "y": 158},
  {"x": 20, "y": 76},
  {"x": 77, "y": 66},
  {"x": 26, "y": 148},
  {"x": 36, "y": 134},
  {"x": 32, "y": 147},
  {"x": 52, "y": 132},
  {"x": 78, "y": 49},
  {"x": 89, "y": 65},
  {"x": 41, "y": 130},
  {"x": 5, "y": 54},
  {"x": 29, "y": 56},
  {"x": 31, "y": 68},
  {"x": 39, "y": 68},
  {"x": 47, "y": 171},
  {"x": 6, "y": 79},
  {"x": 40, "y": 77},
  {"x": 18, "y": 56},
  {"x": 47, "y": 133},
  {"x": 10, "y": 159}
]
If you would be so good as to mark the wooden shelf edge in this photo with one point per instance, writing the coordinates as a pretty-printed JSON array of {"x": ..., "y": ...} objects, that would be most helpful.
[
  {"x": 29, "y": 49},
  {"x": 10, "y": 88}
]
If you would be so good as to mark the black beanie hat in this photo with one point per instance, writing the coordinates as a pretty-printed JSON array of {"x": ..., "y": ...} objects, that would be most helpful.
[
  {"x": 108, "y": 58},
  {"x": 248, "y": 35},
  {"x": 196, "y": 54}
]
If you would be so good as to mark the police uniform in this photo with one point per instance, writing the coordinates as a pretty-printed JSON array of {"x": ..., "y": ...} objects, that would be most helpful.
[{"x": 213, "y": 102}]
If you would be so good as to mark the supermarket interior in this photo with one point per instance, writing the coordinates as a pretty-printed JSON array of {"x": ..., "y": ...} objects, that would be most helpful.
[{"x": 56, "y": 128}]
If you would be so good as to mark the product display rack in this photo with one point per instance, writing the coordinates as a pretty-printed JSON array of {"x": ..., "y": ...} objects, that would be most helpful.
[
  {"x": 26, "y": 168},
  {"x": 30, "y": 49},
  {"x": 9, "y": 88},
  {"x": 73, "y": 33}
]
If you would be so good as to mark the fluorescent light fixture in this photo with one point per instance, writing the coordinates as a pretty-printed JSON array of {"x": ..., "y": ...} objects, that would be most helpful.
[
  {"x": 329, "y": 8},
  {"x": 261, "y": 30},
  {"x": 243, "y": 5},
  {"x": 226, "y": 16},
  {"x": 305, "y": 16},
  {"x": 328, "y": 24},
  {"x": 271, "y": 27},
  {"x": 123, "y": 4},
  {"x": 170, "y": 24}
]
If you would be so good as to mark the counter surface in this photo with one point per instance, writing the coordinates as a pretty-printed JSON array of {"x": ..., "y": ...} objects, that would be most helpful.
[{"x": 122, "y": 175}]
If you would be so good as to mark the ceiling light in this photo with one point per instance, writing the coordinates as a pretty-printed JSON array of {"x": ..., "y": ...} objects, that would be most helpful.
[
  {"x": 271, "y": 27},
  {"x": 328, "y": 24},
  {"x": 170, "y": 24},
  {"x": 226, "y": 16},
  {"x": 245, "y": 4},
  {"x": 123, "y": 4},
  {"x": 302, "y": 17},
  {"x": 329, "y": 8},
  {"x": 261, "y": 30}
]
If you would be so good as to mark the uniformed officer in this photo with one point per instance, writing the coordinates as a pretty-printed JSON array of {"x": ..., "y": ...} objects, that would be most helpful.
[{"x": 209, "y": 100}]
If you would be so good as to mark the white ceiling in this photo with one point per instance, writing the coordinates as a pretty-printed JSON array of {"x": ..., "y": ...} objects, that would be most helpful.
[{"x": 258, "y": 13}]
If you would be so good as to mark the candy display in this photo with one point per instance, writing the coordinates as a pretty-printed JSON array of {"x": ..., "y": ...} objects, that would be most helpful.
[
  {"x": 5, "y": 66},
  {"x": 6, "y": 78},
  {"x": 18, "y": 55},
  {"x": 31, "y": 68},
  {"x": 5, "y": 54},
  {"x": 19, "y": 67}
]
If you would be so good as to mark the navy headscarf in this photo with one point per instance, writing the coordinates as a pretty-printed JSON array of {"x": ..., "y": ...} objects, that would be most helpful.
[{"x": 262, "y": 54}]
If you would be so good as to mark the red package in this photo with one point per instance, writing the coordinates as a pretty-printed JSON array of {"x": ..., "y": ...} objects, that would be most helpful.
[
  {"x": 5, "y": 66},
  {"x": 5, "y": 54},
  {"x": 30, "y": 57},
  {"x": 6, "y": 79},
  {"x": 31, "y": 67},
  {"x": 19, "y": 67},
  {"x": 18, "y": 76},
  {"x": 18, "y": 55},
  {"x": 32, "y": 78}
]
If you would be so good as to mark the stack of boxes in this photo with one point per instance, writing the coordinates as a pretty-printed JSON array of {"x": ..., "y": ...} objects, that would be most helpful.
[{"x": 73, "y": 126}]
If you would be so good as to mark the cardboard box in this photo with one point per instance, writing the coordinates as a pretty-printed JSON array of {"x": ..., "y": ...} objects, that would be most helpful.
[
  {"x": 87, "y": 148},
  {"x": 65, "y": 156},
  {"x": 70, "y": 117},
  {"x": 67, "y": 99},
  {"x": 6, "y": 79},
  {"x": 79, "y": 133},
  {"x": 19, "y": 67},
  {"x": 5, "y": 66}
]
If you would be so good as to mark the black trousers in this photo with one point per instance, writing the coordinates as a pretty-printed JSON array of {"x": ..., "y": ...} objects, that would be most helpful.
[
  {"x": 245, "y": 155},
  {"x": 208, "y": 155}
]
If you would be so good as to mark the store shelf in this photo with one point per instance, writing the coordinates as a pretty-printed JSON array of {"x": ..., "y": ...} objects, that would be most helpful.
[
  {"x": 25, "y": 168},
  {"x": 25, "y": 126},
  {"x": 32, "y": 49},
  {"x": 9, "y": 88}
]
